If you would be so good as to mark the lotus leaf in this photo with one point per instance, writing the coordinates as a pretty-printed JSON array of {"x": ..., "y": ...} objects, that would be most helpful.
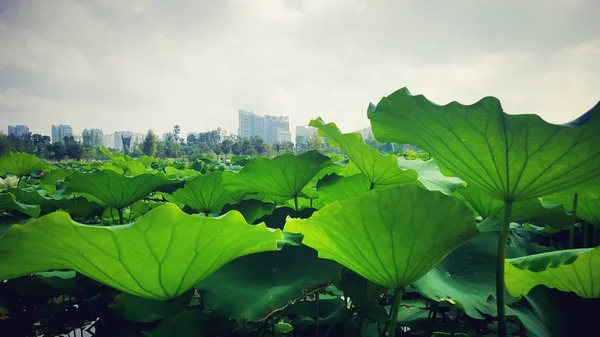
[
  {"x": 283, "y": 176},
  {"x": 510, "y": 157},
  {"x": 378, "y": 168},
  {"x": 160, "y": 256},
  {"x": 391, "y": 237},
  {"x": 116, "y": 190},
  {"x": 8, "y": 202},
  {"x": 575, "y": 270},
  {"x": 19, "y": 164},
  {"x": 430, "y": 175},
  {"x": 205, "y": 193},
  {"x": 253, "y": 286}
]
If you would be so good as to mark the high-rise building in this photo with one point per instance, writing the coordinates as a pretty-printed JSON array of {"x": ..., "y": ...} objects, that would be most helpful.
[
  {"x": 277, "y": 129},
  {"x": 17, "y": 130},
  {"x": 108, "y": 141},
  {"x": 251, "y": 124},
  {"x": 272, "y": 129},
  {"x": 93, "y": 137},
  {"x": 122, "y": 138},
  {"x": 59, "y": 132}
]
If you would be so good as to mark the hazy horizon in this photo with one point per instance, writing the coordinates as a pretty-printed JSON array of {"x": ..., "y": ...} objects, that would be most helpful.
[{"x": 145, "y": 65}]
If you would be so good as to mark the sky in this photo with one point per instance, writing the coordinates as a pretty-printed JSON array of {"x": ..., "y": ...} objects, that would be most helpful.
[{"x": 150, "y": 64}]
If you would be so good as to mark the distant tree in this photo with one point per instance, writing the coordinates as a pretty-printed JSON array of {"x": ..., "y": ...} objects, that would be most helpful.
[
  {"x": 57, "y": 151},
  {"x": 236, "y": 146},
  {"x": 247, "y": 147},
  {"x": 191, "y": 139},
  {"x": 73, "y": 149},
  {"x": 226, "y": 146},
  {"x": 316, "y": 142},
  {"x": 149, "y": 144},
  {"x": 176, "y": 131},
  {"x": 6, "y": 145},
  {"x": 277, "y": 147},
  {"x": 259, "y": 145},
  {"x": 287, "y": 146}
]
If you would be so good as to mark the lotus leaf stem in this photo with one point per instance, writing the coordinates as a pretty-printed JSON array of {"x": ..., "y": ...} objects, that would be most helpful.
[
  {"x": 572, "y": 229},
  {"x": 394, "y": 313},
  {"x": 500, "y": 268}
]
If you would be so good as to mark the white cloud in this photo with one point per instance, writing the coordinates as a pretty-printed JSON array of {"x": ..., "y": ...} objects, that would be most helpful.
[{"x": 152, "y": 64}]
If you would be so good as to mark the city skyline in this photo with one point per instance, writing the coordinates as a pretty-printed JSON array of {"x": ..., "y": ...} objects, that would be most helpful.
[
  {"x": 145, "y": 65},
  {"x": 290, "y": 129}
]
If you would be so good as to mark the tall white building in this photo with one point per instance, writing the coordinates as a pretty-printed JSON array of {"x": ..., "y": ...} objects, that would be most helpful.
[
  {"x": 272, "y": 129},
  {"x": 93, "y": 137},
  {"x": 17, "y": 130},
  {"x": 277, "y": 129},
  {"x": 121, "y": 136},
  {"x": 251, "y": 124},
  {"x": 59, "y": 132},
  {"x": 108, "y": 141}
]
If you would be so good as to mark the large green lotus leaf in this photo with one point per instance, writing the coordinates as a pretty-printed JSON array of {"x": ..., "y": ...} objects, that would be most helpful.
[
  {"x": 588, "y": 209},
  {"x": 378, "y": 168},
  {"x": 251, "y": 209},
  {"x": 512, "y": 157},
  {"x": 333, "y": 188},
  {"x": 391, "y": 237},
  {"x": 32, "y": 196},
  {"x": 466, "y": 277},
  {"x": 19, "y": 164},
  {"x": 114, "y": 189},
  {"x": 430, "y": 175},
  {"x": 184, "y": 174},
  {"x": 205, "y": 193},
  {"x": 160, "y": 256},
  {"x": 531, "y": 211},
  {"x": 575, "y": 270},
  {"x": 123, "y": 164},
  {"x": 9, "y": 203},
  {"x": 253, "y": 286},
  {"x": 283, "y": 176},
  {"x": 588, "y": 206},
  {"x": 50, "y": 179}
]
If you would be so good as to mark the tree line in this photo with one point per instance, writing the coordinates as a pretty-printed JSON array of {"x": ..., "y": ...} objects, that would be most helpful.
[{"x": 215, "y": 144}]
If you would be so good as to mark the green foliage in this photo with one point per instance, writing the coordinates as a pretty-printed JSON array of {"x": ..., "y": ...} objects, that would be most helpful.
[
  {"x": 387, "y": 244},
  {"x": 149, "y": 144},
  {"x": 394, "y": 235},
  {"x": 379, "y": 169},
  {"x": 150, "y": 261},
  {"x": 573, "y": 270},
  {"x": 255, "y": 285},
  {"x": 115, "y": 190},
  {"x": 19, "y": 164},
  {"x": 510, "y": 157},
  {"x": 205, "y": 193},
  {"x": 283, "y": 176},
  {"x": 9, "y": 203}
]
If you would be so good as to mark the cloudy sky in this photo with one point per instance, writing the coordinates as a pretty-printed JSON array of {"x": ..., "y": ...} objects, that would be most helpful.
[{"x": 141, "y": 64}]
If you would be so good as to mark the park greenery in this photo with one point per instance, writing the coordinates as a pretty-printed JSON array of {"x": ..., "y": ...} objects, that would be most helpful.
[
  {"x": 487, "y": 225},
  {"x": 215, "y": 144}
]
